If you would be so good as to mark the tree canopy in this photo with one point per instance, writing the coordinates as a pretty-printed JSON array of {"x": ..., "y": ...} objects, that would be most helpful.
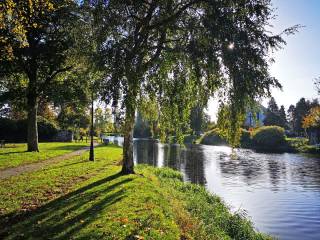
[{"x": 175, "y": 52}]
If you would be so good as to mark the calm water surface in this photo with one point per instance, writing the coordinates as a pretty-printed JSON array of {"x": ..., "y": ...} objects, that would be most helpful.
[{"x": 279, "y": 192}]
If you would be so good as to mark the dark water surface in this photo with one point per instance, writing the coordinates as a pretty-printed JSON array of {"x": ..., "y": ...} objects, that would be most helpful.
[{"x": 279, "y": 192}]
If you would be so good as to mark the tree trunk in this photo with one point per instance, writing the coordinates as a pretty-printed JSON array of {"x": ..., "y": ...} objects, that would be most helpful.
[
  {"x": 128, "y": 164},
  {"x": 32, "y": 105},
  {"x": 32, "y": 125}
]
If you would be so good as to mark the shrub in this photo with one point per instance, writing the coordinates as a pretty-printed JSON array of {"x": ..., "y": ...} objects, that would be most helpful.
[
  {"x": 270, "y": 139},
  {"x": 46, "y": 129},
  {"x": 213, "y": 137},
  {"x": 189, "y": 139},
  {"x": 16, "y": 130},
  {"x": 245, "y": 139}
]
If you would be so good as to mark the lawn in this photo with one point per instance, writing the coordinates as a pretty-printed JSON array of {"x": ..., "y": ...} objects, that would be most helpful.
[
  {"x": 78, "y": 199},
  {"x": 15, "y": 154}
]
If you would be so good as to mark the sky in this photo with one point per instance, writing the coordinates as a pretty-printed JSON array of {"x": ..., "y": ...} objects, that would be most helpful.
[{"x": 298, "y": 63}]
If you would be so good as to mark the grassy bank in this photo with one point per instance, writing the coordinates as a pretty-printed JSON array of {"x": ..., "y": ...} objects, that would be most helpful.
[
  {"x": 15, "y": 154},
  {"x": 77, "y": 199}
]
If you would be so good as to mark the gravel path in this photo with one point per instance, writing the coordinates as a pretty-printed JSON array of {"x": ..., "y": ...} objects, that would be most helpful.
[{"x": 9, "y": 172}]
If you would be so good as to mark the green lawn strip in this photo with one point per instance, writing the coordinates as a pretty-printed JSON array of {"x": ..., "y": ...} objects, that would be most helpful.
[
  {"x": 152, "y": 204},
  {"x": 107, "y": 205},
  {"x": 29, "y": 190},
  {"x": 15, "y": 154},
  {"x": 216, "y": 220}
]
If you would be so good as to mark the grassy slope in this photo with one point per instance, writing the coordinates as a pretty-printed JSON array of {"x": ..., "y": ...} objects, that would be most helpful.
[
  {"x": 15, "y": 154},
  {"x": 90, "y": 200}
]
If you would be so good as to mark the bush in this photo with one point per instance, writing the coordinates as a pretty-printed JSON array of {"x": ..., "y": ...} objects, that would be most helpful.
[
  {"x": 213, "y": 137},
  {"x": 245, "y": 139},
  {"x": 269, "y": 139},
  {"x": 46, "y": 129},
  {"x": 189, "y": 139}
]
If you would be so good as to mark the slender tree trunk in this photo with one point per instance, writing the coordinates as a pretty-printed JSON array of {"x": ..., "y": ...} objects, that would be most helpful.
[
  {"x": 32, "y": 124},
  {"x": 128, "y": 164}
]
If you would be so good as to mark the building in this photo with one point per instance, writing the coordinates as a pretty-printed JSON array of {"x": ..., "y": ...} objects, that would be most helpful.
[{"x": 255, "y": 118}]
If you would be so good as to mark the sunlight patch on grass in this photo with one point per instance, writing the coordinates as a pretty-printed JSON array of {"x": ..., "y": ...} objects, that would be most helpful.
[{"x": 15, "y": 154}]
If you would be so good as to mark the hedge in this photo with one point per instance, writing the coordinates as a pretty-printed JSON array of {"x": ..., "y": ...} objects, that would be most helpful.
[
  {"x": 17, "y": 130},
  {"x": 213, "y": 137},
  {"x": 269, "y": 139}
]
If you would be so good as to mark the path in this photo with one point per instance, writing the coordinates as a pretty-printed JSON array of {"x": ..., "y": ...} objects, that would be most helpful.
[{"x": 9, "y": 172}]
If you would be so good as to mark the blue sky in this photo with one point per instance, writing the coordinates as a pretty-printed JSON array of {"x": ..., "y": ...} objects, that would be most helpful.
[{"x": 298, "y": 63}]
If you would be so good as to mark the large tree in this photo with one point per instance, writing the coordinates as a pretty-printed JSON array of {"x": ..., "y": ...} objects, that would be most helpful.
[
  {"x": 176, "y": 52},
  {"x": 35, "y": 61}
]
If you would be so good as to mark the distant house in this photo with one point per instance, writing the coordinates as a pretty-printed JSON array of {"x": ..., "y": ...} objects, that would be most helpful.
[{"x": 254, "y": 118}]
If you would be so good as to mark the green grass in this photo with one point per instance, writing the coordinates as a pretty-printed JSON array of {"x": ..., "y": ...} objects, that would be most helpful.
[
  {"x": 77, "y": 199},
  {"x": 15, "y": 154}
]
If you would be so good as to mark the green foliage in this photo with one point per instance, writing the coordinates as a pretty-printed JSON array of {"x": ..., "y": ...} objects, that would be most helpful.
[
  {"x": 142, "y": 127},
  {"x": 103, "y": 121},
  {"x": 198, "y": 119},
  {"x": 213, "y": 137},
  {"x": 229, "y": 123},
  {"x": 147, "y": 51},
  {"x": 302, "y": 145},
  {"x": 190, "y": 139},
  {"x": 16, "y": 130},
  {"x": 245, "y": 139},
  {"x": 275, "y": 116},
  {"x": 73, "y": 117},
  {"x": 269, "y": 138},
  {"x": 299, "y": 112},
  {"x": 46, "y": 129},
  {"x": 168, "y": 173}
]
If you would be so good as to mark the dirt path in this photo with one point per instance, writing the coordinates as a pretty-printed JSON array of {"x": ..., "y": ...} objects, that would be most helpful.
[{"x": 9, "y": 172}]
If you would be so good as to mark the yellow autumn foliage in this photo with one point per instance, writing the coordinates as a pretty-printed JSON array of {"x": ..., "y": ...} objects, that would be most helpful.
[
  {"x": 17, "y": 18},
  {"x": 312, "y": 119}
]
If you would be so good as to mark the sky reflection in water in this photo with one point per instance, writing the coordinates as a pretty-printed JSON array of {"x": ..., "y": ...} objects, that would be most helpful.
[{"x": 279, "y": 192}]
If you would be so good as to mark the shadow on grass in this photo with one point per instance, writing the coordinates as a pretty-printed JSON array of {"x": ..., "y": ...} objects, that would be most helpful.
[
  {"x": 69, "y": 147},
  {"x": 16, "y": 152},
  {"x": 64, "y": 216}
]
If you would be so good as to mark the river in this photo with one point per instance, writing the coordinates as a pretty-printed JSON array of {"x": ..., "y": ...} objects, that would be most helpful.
[{"x": 279, "y": 192}]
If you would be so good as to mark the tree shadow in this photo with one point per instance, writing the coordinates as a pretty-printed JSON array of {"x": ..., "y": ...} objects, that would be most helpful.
[
  {"x": 64, "y": 216},
  {"x": 16, "y": 152},
  {"x": 69, "y": 147}
]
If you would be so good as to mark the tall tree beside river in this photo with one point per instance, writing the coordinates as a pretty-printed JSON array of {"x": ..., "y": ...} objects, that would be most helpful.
[{"x": 176, "y": 52}]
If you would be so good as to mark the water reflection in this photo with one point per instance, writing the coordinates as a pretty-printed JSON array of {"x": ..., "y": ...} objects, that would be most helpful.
[{"x": 280, "y": 192}]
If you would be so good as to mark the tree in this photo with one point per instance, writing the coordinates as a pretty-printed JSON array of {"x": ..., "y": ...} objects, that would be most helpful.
[
  {"x": 272, "y": 115},
  {"x": 73, "y": 116},
  {"x": 142, "y": 127},
  {"x": 283, "y": 117},
  {"x": 312, "y": 120},
  {"x": 291, "y": 116},
  {"x": 103, "y": 120},
  {"x": 198, "y": 119},
  {"x": 176, "y": 52},
  {"x": 301, "y": 110},
  {"x": 40, "y": 58}
]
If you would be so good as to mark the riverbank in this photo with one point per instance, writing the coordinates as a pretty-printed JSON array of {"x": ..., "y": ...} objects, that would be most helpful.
[
  {"x": 270, "y": 139},
  {"x": 80, "y": 199}
]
